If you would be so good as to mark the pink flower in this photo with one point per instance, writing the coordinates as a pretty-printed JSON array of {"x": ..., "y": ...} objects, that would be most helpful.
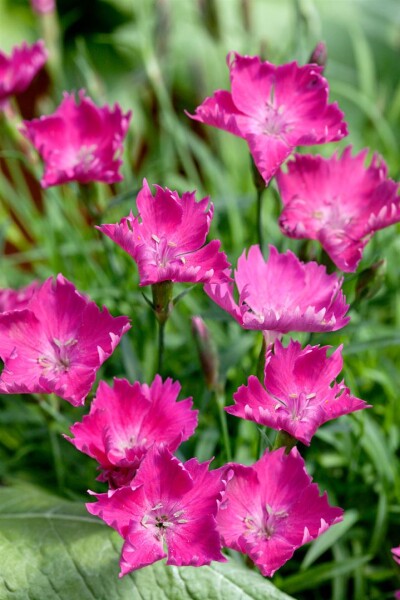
[
  {"x": 396, "y": 554},
  {"x": 169, "y": 505},
  {"x": 18, "y": 70},
  {"x": 298, "y": 395},
  {"x": 282, "y": 294},
  {"x": 126, "y": 421},
  {"x": 43, "y": 6},
  {"x": 79, "y": 142},
  {"x": 17, "y": 299},
  {"x": 167, "y": 238},
  {"x": 57, "y": 344},
  {"x": 274, "y": 109},
  {"x": 271, "y": 508},
  {"x": 338, "y": 202}
]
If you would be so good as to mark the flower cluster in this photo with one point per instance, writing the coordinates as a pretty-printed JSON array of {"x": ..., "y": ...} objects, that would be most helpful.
[{"x": 54, "y": 339}]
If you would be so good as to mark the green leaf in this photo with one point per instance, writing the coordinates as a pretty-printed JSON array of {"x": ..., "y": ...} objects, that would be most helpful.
[
  {"x": 314, "y": 577},
  {"x": 52, "y": 549}
]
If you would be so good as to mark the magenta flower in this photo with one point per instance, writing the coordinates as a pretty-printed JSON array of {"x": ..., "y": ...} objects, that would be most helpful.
[
  {"x": 167, "y": 238},
  {"x": 79, "y": 142},
  {"x": 396, "y": 554},
  {"x": 57, "y": 344},
  {"x": 282, "y": 294},
  {"x": 43, "y": 6},
  {"x": 17, "y": 299},
  {"x": 18, "y": 70},
  {"x": 274, "y": 109},
  {"x": 338, "y": 202},
  {"x": 271, "y": 508},
  {"x": 169, "y": 505},
  {"x": 300, "y": 392},
  {"x": 126, "y": 421}
]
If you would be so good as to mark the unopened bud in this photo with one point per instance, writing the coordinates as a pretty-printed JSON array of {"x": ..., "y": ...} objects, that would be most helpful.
[
  {"x": 319, "y": 55},
  {"x": 370, "y": 280},
  {"x": 207, "y": 352}
]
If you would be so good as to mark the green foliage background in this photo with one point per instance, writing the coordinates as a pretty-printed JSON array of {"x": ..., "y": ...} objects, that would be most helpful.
[{"x": 159, "y": 59}]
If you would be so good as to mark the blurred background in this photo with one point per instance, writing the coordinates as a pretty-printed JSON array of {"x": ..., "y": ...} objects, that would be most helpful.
[{"x": 158, "y": 59}]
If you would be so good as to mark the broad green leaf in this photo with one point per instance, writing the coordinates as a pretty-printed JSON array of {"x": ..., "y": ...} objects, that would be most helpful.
[{"x": 52, "y": 549}]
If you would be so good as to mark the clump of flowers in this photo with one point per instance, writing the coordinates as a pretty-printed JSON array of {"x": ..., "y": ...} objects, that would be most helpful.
[
  {"x": 298, "y": 396},
  {"x": 57, "y": 343},
  {"x": 18, "y": 70},
  {"x": 271, "y": 508},
  {"x": 339, "y": 202},
  {"x": 126, "y": 420},
  {"x": 80, "y": 141},
  {"x": 282, "y": 294},
  {"x": 167, "y": 239},
  {"x": 168, "y": 511},
  {"x": 274, "y": 108}
]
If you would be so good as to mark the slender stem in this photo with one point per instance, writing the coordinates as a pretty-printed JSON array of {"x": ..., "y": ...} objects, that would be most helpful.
[
  {"x": 261, "y": 361},
  {"x": 220, "y": 398},
  {"x": 259, "y": 218},
  {"x": 161, "y": 331},
  {"x": 259, "y": 184}
]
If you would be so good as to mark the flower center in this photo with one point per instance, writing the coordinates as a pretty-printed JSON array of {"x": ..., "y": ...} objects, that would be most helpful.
[
  {"x": 274, "y": 122},
  {"x": 85, "y": 156},
  {"x": 164, "y": 252},
  {"x": 296, "y": 404},
  {"x": 266, "y": 526},
  {"x": 161, "y": 520},
  {"x": 57, "y": 359}
]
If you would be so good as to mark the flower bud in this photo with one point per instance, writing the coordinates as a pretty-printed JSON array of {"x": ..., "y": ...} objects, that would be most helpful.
[
  {"x": 319, "y": 55},
  {"x": 207, "y": 352}
]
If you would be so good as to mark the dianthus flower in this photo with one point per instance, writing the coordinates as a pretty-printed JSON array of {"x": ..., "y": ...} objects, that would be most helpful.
[
  {"x": 80, "y": 141},
  {"x": 338, "y": 202},
  {"x": 282, "y": 294},
  {"x": 168, "y": 505},
  {"x": 167, "y": 238},
  {"x": 11, "y": 299},
  {"x": 43, "y": 6},
  {"x": 57, "y": 344},
  {"x": 18, "y": 70},
  {"x": 298, "y": 395},
  {"x": 125, "y": 421},
  {"x": 274, "y": 108},
  {"x": 271, "y": 508}
]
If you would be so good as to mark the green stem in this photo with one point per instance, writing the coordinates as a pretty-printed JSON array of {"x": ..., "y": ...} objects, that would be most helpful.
[
  {"x": 261, "y": 361},
  {"x": 260, "y": 186},
  {"x": 259, "y": 219},
  {"x": 161, "y": 331},
  {"x": 220, "y": 399},
  {"x": 284, "y": 439}
]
